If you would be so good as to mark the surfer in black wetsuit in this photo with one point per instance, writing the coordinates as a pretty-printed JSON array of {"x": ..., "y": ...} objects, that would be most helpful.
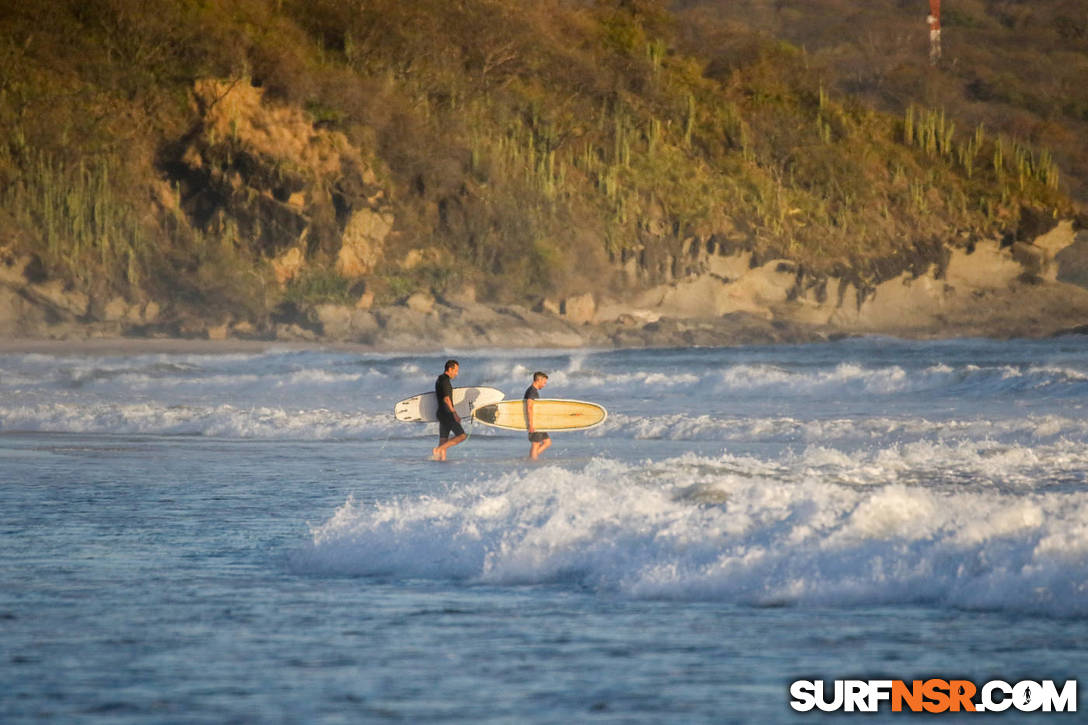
[
  {"x": 448, "y": 419},
  {"x": 538, "y": 441}
]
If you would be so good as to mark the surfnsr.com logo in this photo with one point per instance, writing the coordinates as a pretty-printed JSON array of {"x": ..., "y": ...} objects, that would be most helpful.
[{"x": 933, "y": 695}]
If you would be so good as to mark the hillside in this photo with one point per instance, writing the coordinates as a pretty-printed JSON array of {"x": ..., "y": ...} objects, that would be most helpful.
[
  {"x": 1014, "y": 67},
  {"x": 215, "y": 168}
]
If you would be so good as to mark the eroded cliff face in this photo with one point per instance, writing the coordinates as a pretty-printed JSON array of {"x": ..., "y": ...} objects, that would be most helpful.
[
  {"x": 251, "y": 176},
  {"x": 1024, "y": 288},
  {"x": 261, "y": 174}
]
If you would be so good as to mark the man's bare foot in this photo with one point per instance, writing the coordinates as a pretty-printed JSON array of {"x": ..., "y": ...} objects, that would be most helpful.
[{"x": 438, "y": 454}]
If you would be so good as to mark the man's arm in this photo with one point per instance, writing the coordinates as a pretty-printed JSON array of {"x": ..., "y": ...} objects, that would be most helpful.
[
  {"x": 449, "y": 406},
  {"x": 529, "y": 413}
]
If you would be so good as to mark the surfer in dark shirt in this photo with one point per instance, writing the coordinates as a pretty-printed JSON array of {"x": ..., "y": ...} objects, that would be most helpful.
[
  {"x": 448, "y": 419},
  {"x": 538, "y": 441}
]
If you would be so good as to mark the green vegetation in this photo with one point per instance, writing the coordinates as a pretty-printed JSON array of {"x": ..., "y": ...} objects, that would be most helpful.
[
  {"x": 527, "y": 148},
  {"x": 319, "y": 286},
  {"x": 82, "y": 223},
  {"x": 1017, "y": 68}
]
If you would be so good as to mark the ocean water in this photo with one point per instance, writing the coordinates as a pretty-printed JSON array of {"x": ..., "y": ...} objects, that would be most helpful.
[{"x": 252, "y": 537}]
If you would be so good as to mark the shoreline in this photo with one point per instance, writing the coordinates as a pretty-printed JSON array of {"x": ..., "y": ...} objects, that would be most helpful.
[{"x": 129, "y": 345}]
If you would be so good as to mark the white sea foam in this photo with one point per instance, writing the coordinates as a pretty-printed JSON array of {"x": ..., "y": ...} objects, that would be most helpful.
[
  {"x": 586, "y": 375},
  {"x": 703, "y": 427},
  {"x": 761, "y": 379},
  {"x": 577, "y": 377},
  {"x": 226, "y": 421},
  {"x": 740, "y": 530},
  {"x": 855, "y": 379}
]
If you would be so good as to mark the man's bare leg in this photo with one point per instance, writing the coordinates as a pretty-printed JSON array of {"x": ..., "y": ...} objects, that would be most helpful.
[
  {"x": 439, "y": 452},
  {"x": 538, "y": 447}
]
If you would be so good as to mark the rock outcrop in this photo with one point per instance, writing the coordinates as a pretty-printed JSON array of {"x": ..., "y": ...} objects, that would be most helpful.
[
  {"x": 1022, "y": 289},
  {"x": 261, "y": 175}
]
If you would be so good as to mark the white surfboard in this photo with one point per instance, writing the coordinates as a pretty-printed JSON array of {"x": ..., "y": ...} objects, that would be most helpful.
[
  {"x": 423, "y": 408},
  {"x": 549, "y": 414}
]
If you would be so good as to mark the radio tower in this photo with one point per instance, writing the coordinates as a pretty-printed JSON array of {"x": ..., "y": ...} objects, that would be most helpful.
[{"x": 934, "y": 21}]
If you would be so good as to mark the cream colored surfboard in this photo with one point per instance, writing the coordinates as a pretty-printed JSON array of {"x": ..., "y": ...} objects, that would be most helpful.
[
  {"x": 423, "y": 408},
  {"x": 549, "y": 414}
]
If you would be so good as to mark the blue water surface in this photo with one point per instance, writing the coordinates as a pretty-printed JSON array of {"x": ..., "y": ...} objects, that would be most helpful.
[{"x": 251, "y": 537}]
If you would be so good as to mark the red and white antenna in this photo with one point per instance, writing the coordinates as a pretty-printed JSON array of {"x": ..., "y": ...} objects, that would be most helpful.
[{"x": 934, "y": 21}]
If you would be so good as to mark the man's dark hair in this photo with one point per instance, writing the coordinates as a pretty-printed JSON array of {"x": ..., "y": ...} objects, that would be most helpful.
[
  {"x": 539, "y": 375},
  {"x": 451, "y": 364}
]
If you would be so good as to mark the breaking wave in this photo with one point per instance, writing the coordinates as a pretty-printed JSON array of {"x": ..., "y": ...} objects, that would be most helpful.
[{"x": 817, "y": 529}]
